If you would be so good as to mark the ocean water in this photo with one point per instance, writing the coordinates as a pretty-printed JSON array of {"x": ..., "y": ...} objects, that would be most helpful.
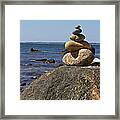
[{"x": 30, "y": 70}]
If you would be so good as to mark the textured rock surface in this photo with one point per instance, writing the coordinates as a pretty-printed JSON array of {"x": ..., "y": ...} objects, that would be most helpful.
[
  {"x": 81, "y": 57},
  {"x": 76, "y": 38},
  {"x": 66, "y": 83},
  {"x": 74, "y": 46}
]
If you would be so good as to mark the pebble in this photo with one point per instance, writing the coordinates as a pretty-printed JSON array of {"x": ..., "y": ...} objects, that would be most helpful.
[
  {"x": 77, "y": 27},
  {"x": 77, "y": 32}
]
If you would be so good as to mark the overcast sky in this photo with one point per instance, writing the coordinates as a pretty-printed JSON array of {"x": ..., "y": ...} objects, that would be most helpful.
[{"x": 57, "y": 30}]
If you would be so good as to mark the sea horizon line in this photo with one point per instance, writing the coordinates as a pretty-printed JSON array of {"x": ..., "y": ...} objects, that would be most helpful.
[{"x": 50, "y": 42}]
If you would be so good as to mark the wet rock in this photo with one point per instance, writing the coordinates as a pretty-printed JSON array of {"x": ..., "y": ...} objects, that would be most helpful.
[
  {"x": 34, "y": 50},
  {"x": 23, "y": 84},
  {"x": 81, "y": 57},
  {"x": 34, "y": 77},
  {"x": 39, "y": 60},
  {"x": 44, "y": 60},
  {"x": 61, "y": 64},
  {"x": 50, "y": 61}
]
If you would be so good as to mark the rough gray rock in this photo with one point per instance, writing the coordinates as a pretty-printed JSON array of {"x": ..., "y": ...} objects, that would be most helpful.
[{"x": 66, "y": 83}]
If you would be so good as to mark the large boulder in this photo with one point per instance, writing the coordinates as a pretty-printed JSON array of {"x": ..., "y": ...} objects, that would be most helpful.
[
  {"x": 66, "y": 83},
  {"x": 81, "y": 57}
]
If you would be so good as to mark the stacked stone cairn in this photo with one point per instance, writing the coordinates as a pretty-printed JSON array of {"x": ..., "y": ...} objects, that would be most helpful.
[{"x": 79, "y": 51}]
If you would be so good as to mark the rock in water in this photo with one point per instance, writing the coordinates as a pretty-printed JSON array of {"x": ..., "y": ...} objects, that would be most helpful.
[
  {"x": 81, "y": 57},
  {"x": 50, "y": 61},
  {"x": 65, "y": 83},
  {"x": 34, "y": 50}
]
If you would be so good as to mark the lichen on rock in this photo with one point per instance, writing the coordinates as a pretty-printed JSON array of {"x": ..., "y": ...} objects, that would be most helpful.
[{"x": 66, "y": 83}]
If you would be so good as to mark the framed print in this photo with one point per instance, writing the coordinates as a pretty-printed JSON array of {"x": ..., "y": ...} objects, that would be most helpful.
[{"x": 60, "y": 60}]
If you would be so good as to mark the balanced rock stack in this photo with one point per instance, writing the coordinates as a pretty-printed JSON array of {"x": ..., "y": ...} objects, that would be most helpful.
[{"x": 79, "y": 51}]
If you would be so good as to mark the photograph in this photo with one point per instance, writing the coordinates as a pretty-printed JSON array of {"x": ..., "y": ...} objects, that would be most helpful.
[{"x": 59, "y": 59}]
